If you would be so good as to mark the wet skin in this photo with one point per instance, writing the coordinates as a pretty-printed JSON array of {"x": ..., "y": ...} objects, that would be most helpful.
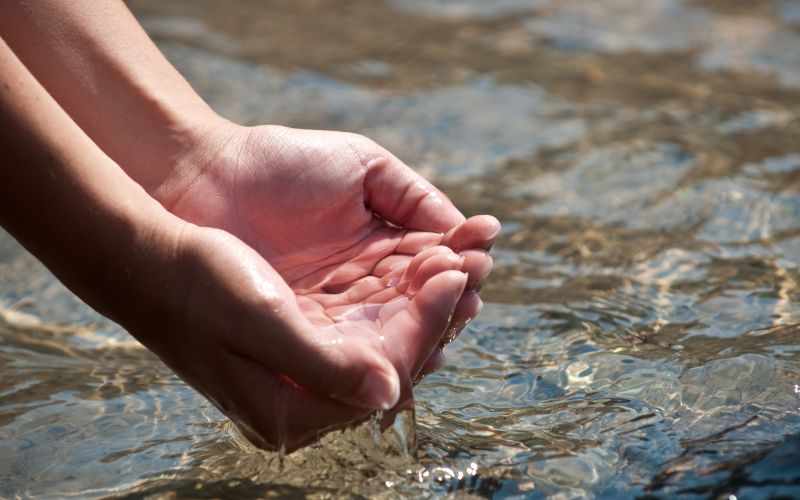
[{"x": 374, "y": 258}]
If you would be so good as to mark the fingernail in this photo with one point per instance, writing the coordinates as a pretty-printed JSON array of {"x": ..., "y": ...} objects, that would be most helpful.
[{"x": 378, "y": 390}]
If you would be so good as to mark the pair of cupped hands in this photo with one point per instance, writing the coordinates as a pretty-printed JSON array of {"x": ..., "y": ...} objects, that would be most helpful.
[{"x": 321, "y": 278}]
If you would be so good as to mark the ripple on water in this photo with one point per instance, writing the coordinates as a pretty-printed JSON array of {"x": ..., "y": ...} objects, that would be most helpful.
[{"x": 641, "y": 329}]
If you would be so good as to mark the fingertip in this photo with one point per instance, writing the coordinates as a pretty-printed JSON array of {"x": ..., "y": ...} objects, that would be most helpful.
[
  {"x": 445, "y": 289},
  {"x": 418, "y": 261},
  {"x": 491, "y": 222},
  {"x": 436, "y": 361},
  {"x": 468, "y": 307},
  {"x": 370, "y": 380},
  {"x": 478, "y": 263},
  {"x": 436, "y": 300},
  {"x": 432, "y": 267},
  {"x": 378, "y": 389},
  {"x": 479, "y": 231},
  {"x": 454, "y": 279},
  {"x": 352, "y": 368},
  {"x": 470, "y": 303},
  {"x": 401, "y": 196},
  {"x": 493, "y": 227}
]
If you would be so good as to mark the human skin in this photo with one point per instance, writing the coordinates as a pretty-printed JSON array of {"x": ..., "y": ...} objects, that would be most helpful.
[
  {"x": 200, "y": 298},
  {"x": 313, "y": 204},
  {"x": 212, "y": 172}
]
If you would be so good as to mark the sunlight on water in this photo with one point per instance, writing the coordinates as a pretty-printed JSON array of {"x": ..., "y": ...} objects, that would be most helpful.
[{"x": 641, "y": 334}]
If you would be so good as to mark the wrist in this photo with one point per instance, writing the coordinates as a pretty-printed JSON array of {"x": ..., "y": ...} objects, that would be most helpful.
[
  {"x": 127, "y": 261},
  {"x": 201, "y": 153},
  {"x": 168, "y": 136}
]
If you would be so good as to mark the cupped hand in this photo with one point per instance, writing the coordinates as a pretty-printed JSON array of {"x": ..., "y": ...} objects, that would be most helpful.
[{"x": 374, "y": 270}]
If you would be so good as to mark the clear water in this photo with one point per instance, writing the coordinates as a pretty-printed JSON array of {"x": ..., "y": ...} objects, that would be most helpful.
[{"x": 642, "y": 328}]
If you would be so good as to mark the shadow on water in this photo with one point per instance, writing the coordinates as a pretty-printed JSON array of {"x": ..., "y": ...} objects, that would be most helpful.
[{"x": 641, "y": 335}]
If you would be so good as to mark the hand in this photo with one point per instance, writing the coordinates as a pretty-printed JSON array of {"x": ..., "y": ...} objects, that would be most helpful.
[
  {"x": 315, "y": 205},
  {"x": 243, "y": 330},
  {"x": 353, "y": 239}
]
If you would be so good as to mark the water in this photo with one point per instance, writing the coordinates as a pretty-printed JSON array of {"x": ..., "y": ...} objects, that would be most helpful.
[{"x": 641, "y": 334}]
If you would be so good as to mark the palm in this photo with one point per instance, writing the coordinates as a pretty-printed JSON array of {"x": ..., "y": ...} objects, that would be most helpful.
[
  {"x": 315, "y": 207},
  {"x": 299, "y": 199}
]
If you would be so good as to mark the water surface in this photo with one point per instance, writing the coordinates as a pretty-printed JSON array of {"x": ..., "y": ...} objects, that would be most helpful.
[{"x": 641, "y": 334}]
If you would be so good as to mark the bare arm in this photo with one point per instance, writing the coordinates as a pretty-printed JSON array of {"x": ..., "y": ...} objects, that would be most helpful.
[
  {"x": 199, "y": 298},
  {"x": 232, "y": 319},
  {"x": 100, "y": 66},
  {"x": 65, "y": 200}
]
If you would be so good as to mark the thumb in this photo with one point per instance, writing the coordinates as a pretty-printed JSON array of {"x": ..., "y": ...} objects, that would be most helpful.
[
  {"x": 345, "y": 365},
  {"x": 404, "y": 198},
  {"x": 253, "y": 312}
]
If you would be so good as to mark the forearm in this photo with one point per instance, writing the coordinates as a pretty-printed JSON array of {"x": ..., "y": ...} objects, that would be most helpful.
[
  {"x": 68, "y": 203},
  {"x": 100, "y": 66}
]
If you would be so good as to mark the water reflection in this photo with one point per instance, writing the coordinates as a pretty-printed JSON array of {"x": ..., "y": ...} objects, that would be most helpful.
[{"x": 641, "y": 329}]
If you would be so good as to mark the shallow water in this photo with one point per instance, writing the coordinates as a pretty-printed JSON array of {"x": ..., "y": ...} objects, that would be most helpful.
[{"x": 641, "y": 334}]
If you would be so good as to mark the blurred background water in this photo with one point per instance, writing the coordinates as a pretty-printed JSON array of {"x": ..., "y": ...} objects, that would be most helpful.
[{"x": 641, "y": 335}]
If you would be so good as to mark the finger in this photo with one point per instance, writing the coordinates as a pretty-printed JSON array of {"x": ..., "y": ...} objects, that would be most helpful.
[
  {"x": 414, "y": 242},
  {"x": 468, "y": 307},
  {"x": 417, "y": 261},
  {"x": 479, "y": 231},
  {"x": 413, "y": 333},
  {"x": 431, "y": 267},
  {"x": 393, "y": 278},
  {"x": 339, "y": 269},
  {"x": 263, "y": 321},
  {"x": 274, "y": 413},
  {"x": 346, "y": 365},
  {"x": 404, "y": 198},
  {"x": 352, "y": 368},
  {"x": 477, "y": 264},
  {"x": 391, "y": 263},
  {"x": 384, "y": 296},
  {"x": 358, "y": 292},
  {"x": 436, "y": 361},
  {"x": 392, "y": 307}
]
